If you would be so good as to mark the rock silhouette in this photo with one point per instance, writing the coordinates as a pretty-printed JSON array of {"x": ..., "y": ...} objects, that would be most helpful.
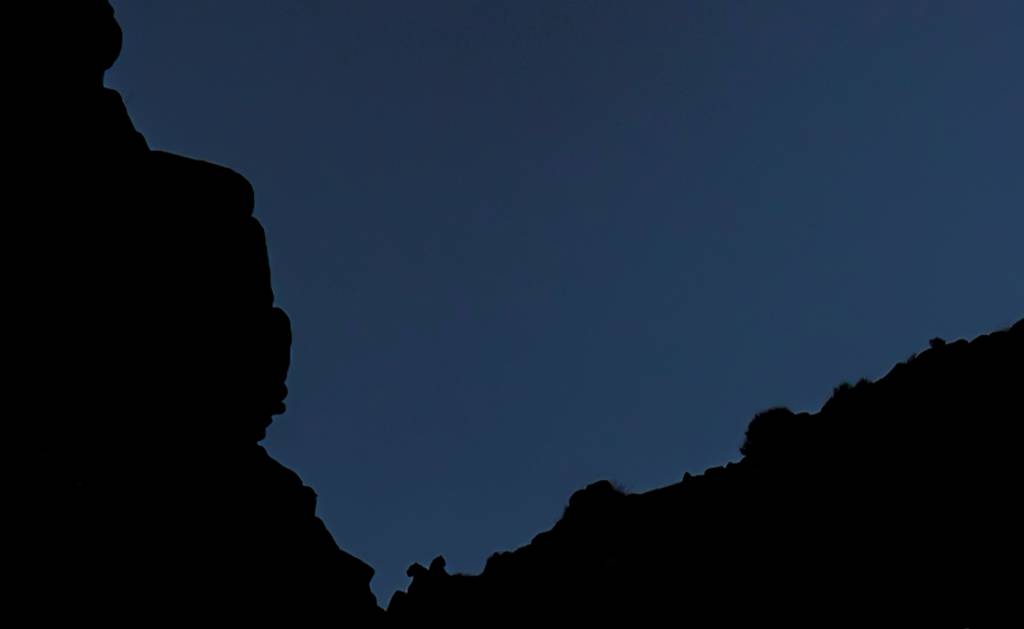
[
  {"x": 895, "y": 503},
  {"x": 151, "y": 360}
]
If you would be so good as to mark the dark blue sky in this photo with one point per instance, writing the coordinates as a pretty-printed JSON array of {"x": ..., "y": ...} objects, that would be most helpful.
[{"x": 528, "y": 245}]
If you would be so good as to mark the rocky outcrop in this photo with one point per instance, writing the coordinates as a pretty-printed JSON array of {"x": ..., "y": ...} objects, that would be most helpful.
[
  {"x": 896, "y": 502},
  {"x": 150, "y": 361}
]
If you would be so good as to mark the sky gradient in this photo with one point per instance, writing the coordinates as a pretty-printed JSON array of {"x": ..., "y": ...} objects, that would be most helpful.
[{"x": 529, "y": 245}]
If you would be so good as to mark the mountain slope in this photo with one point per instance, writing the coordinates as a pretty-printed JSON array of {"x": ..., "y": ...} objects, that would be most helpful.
[{"x": 895, "y": 502}]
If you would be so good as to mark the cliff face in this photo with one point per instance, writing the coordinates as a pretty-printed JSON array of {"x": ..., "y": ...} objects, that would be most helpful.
[
  {"x": 895, "y": 502},
  {"x": 150, "y": 360}
]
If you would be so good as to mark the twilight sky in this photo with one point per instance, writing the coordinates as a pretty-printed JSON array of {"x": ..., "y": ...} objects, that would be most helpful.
[{"x": 527, "y": 245}]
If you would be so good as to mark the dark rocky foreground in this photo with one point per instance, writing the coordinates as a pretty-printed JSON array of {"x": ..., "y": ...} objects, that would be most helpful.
[
  {"x": 149, "y": 358},
  {"x": 895, "y": 505}
]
